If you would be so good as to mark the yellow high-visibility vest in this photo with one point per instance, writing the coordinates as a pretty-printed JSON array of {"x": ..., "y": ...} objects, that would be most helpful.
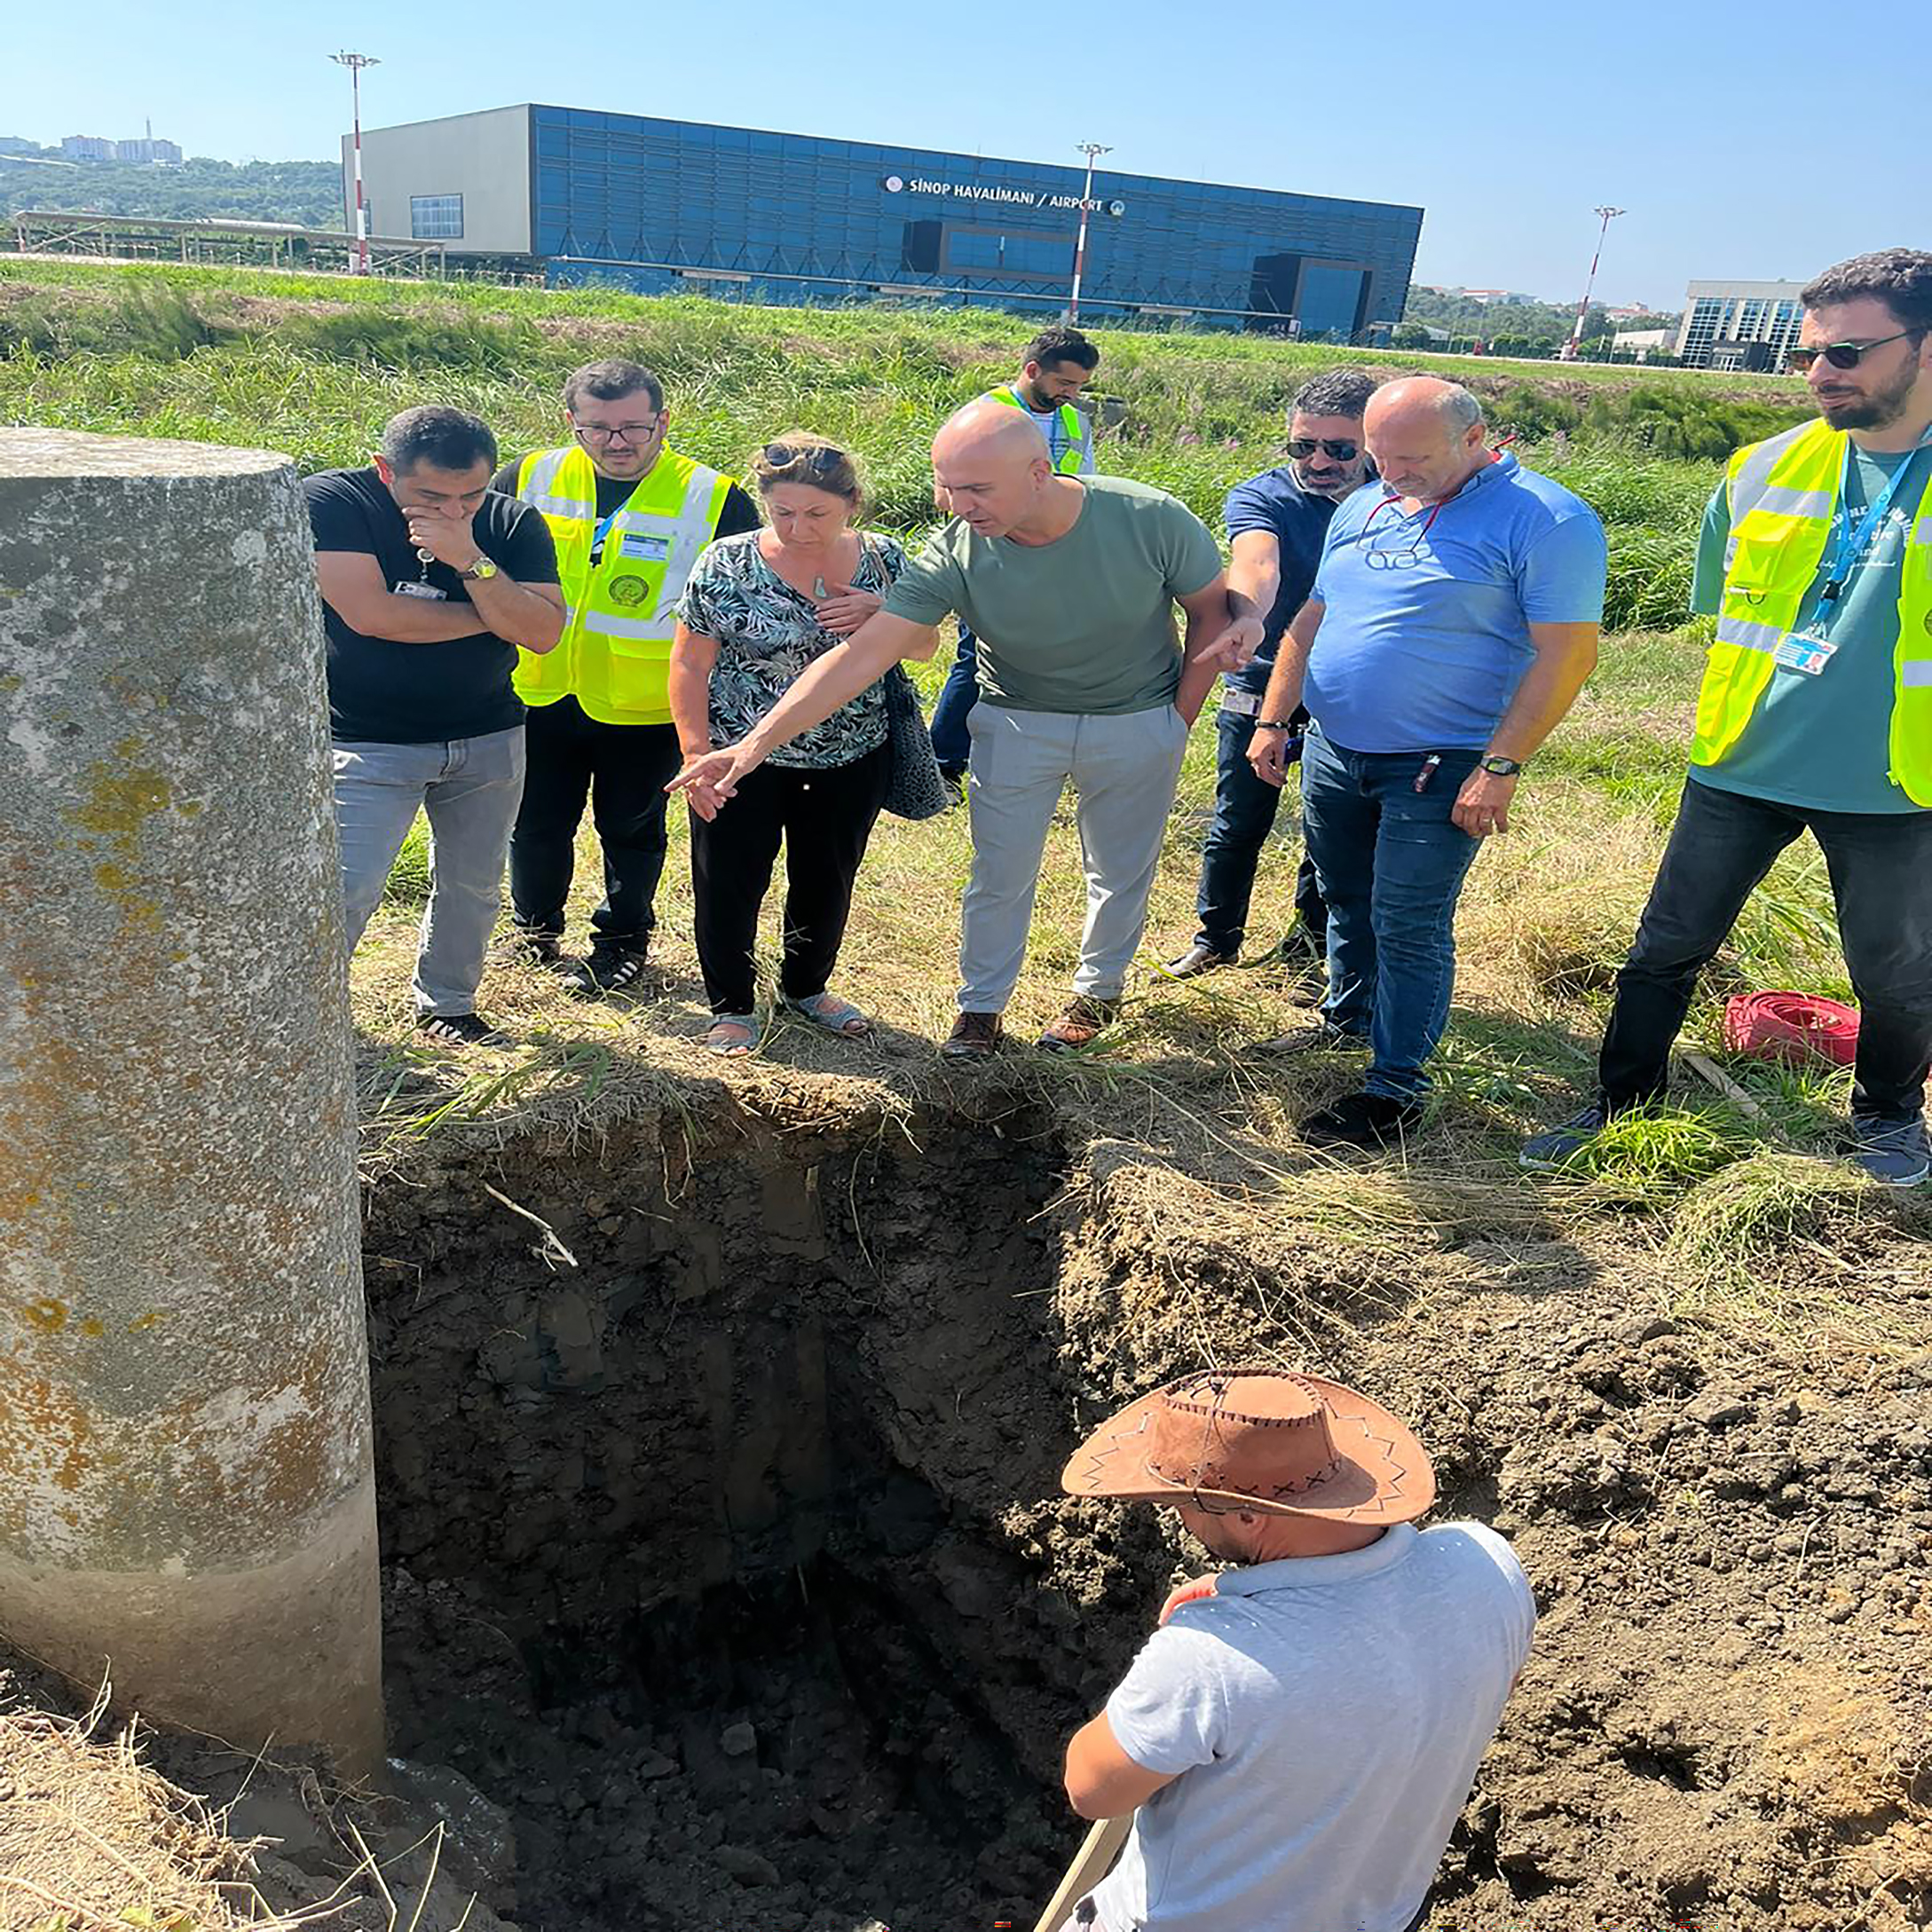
[
  {"x": 615, "y": 654},
  {"x": 1784, "y": 494},
  {"x": 1073, "y": 428}
]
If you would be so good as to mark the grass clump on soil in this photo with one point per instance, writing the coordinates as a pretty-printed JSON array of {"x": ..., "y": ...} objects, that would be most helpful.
[
  {"x": 91, "y": 1836},
  {"x": 1782, "y": 1243}
]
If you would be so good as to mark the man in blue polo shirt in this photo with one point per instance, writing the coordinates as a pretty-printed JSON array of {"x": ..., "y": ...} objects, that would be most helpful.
[
  {"x": 1275, "y": 525},
  {"x": 1452, "y": 621}
]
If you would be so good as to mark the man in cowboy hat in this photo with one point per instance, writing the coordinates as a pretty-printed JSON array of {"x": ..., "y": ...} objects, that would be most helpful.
[{"x": 1300, "y": 1732}]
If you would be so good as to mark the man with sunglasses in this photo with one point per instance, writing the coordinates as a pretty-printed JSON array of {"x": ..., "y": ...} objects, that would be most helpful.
[
  {"x": 629, "y": 517},
  {"x": 1275, "y": 524},
  {"x": 1454, "y": 620},
  {"x": 1816, "y": 560}
]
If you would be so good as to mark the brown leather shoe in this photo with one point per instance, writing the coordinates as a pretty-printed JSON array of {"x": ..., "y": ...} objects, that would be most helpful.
[
  {"x": 1083, "y": 1019},
  {"x": 975, "y": 1035}
]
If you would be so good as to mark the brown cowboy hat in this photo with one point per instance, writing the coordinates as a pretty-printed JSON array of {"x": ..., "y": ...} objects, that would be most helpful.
[{"x": 1266, "y": 1439}]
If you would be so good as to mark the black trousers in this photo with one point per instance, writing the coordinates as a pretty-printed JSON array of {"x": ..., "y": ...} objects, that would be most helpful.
[
  {"x": 622, "y": 769},
  {"x": 825, "y": 816},
  {"x": 1722, "y": 846}
]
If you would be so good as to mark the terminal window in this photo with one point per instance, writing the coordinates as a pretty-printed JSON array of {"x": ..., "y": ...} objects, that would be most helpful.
[
  {"x": 435, "y": 217},
  {"x": 992, "y": 251}
]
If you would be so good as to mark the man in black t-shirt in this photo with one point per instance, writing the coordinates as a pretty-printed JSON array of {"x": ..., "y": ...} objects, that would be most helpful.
[{"x": 431, "y": 580}]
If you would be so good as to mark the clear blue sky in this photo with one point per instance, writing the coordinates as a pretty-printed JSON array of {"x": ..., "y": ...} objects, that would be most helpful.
[{"x": 1507, "y": 123}]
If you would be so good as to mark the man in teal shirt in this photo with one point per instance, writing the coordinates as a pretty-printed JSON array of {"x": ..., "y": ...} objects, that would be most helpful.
[{"x": 1817, "y": 749}]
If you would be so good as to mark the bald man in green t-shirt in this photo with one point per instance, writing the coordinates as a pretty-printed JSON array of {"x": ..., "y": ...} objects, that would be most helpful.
[{"x": 1069, "y": 583}]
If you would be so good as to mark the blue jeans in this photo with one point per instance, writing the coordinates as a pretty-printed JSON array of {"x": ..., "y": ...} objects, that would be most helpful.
[
  {"x": 1392, "y": 863},
  {"x": 950, "y": 745},
  {"x": 1244, "y": 810}
]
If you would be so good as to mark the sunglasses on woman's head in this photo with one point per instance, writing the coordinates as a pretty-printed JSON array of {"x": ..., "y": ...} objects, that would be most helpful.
[
  {"x": 1301, "y": 448},
  {"x": 1841, "y": 355},
  {"x": 784, "y": 456}
]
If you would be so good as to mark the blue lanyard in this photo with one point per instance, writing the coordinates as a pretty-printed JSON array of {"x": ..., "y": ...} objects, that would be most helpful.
[
  {"x": 604, "y": 531},
  {"x": 1853, "y": 542}
]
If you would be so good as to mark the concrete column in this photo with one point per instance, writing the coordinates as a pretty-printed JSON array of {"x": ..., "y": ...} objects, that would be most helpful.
[{"x": 186, "y": 1495}]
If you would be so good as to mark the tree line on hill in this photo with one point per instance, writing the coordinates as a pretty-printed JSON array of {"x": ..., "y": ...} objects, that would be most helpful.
[
  {"x": 307, "y": 192},
  {"x": 1508, "y": 329}
]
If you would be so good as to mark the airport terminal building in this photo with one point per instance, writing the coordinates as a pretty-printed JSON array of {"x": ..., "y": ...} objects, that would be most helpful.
[{"x": 665, "y": 205}]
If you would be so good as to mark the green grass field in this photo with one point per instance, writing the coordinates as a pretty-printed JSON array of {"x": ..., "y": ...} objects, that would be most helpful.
[{"x": 312, "y": 366}]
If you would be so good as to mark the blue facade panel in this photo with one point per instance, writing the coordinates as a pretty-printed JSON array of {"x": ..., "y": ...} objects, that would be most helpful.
[{"x": 659, "y": 205}]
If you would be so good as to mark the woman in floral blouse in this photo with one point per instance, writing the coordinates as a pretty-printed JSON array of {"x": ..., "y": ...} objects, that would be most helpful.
[{"x": 757, "y": 611}]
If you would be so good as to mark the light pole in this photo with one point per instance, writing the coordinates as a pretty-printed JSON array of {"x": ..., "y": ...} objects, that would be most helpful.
[
  {"x": 1093, "y": 150},
  {"x": 355, "y": 63},
  {"x": 1572, "y": 348}
]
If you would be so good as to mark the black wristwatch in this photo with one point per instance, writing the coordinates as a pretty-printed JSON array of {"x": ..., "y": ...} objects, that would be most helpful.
[{"x": 1503, "y": 767}]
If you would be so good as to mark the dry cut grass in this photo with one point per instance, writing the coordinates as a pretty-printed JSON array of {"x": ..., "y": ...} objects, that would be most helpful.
[{"x": 91, "y": 1837}]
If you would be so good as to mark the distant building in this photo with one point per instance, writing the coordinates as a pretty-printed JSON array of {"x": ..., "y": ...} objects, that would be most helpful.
[
  {"x": 656, "y": 205},
  {"x": 1508, "y": 296},
  {"x": 1738, "y": 325},
  {"x": 147, "y": 150},
  {"x": 17, "y": 144},
  {"x": 1626, "y": 311},
  {"x": 1641, "y": 343},
  {"x": 87, "y": 148}
]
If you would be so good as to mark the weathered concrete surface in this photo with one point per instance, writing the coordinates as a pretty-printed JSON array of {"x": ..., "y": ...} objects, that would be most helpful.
[{"x": 185, "y": 1487}]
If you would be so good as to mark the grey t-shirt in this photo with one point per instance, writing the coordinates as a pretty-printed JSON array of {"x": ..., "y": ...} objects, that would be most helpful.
[
  {"x": 1325, "y": 1716},
  {"x": 1085, "y": 623}
]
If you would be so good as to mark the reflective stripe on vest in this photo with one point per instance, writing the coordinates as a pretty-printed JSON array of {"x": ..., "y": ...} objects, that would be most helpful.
[
  {"x": 614, "y": 655},
  {"x": 1073, "y": 430},
  {"x": 1783, "y": 495}
]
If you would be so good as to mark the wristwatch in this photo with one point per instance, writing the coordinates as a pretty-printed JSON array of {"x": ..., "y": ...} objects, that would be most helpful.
[
  {"x": 1503, "y": 767},
  {"x": 482, "y": 569}
]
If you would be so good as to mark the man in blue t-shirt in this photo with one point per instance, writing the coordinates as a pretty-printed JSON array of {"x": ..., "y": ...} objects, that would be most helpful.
[
  {"x": 1832, "y": 739},
  {"x": 1454, "y": 619},
  {"x": 1275, "y": 524}
]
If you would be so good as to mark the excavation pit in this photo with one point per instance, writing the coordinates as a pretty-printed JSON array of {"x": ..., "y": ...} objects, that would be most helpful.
[
  {"x": 719, "y": 1457},
  {"x": 705, "y": 1479}
]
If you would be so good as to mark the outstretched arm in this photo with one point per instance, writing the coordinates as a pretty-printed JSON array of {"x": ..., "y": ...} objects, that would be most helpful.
[{"x": 835, "y": 679}]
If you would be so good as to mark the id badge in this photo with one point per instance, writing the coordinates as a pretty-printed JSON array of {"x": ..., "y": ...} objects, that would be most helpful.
[
  {"x": 641, "y": 548},
  {"x": 1242, "y": 704},
  {"x": 429, "y": 591},
  {"x": 1797, "y": 653}
]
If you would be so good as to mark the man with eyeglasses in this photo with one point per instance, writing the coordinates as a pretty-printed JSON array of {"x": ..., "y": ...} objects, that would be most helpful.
[
  {"x": 1816, "y": 560},
  {"x": 1454, "y": 619},
  {"x": 1275, "y": 524},
  {"x": 629, "y": 517}
]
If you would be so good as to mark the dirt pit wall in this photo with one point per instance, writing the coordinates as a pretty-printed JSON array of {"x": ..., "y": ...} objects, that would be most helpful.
[{"x": 718, "y": 1465}]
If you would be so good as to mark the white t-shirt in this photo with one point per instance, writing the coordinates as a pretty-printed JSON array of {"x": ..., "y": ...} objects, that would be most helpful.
[{"x": 1325, "y": 1716}]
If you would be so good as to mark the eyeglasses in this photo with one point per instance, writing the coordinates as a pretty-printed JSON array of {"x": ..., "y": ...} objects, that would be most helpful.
[
  {"x": 626, "y": 432},
  {"x": 817, "y": 458},
  {"x": 1339, "y": 450},
  {"x": 1379, "y": 554},
  {"x": 1841, "y": 355}
]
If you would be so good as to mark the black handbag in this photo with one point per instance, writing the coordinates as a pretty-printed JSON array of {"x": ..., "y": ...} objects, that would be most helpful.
[{"x": 914, "y": 790}]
